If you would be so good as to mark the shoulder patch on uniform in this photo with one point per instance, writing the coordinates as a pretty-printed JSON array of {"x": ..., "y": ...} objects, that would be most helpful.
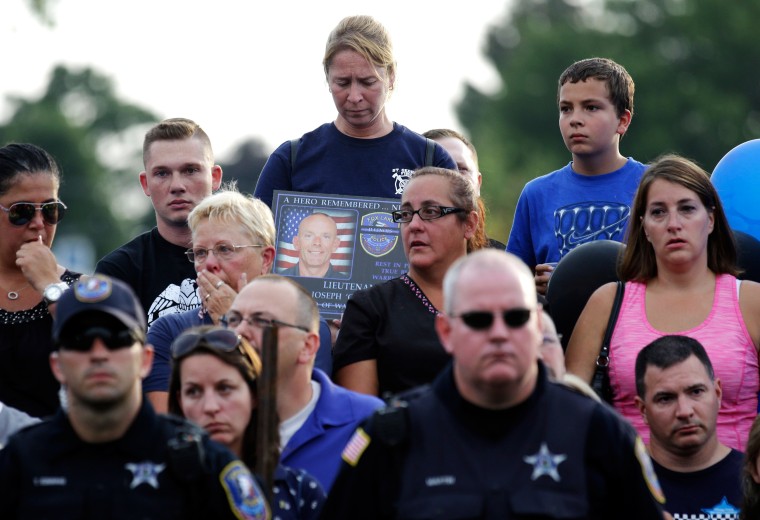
[
  {"x": 356, "y": 446},
  {"x": 246, "y": 498},
  {"x": 647, "y": 469}
]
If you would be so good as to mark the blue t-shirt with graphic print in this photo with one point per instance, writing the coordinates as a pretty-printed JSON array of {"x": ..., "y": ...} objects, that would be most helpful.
[{"x": 564, "y": 209}]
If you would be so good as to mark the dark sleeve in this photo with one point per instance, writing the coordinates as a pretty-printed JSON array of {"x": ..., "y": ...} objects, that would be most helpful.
[
  {"x": 621, "y": 472},
  {"x": 323, "y": 359},
  {"x": 442, "y": 159},
  {"x": 10, "y": 481},
  {"x": 358, "y": 330},
  {"x": 160, "y": 335},
  {"x": 232, "y": 490},
  {"x": 276, "y": 174},
  {"x": 367, "y": 484}
]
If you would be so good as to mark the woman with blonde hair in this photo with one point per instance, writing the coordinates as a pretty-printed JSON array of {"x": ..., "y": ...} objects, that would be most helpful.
[{"x": 362, "y": 152}]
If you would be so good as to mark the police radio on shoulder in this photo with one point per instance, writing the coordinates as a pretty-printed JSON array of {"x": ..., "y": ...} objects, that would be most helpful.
[{"x": 53, "y": 292}]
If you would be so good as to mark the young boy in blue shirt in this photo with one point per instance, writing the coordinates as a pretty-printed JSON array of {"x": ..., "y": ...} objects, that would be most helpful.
[{"x": 590, "y": 198}]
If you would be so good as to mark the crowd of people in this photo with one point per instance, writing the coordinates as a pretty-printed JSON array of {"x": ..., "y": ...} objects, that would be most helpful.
[{"x": 183, "y": 378}]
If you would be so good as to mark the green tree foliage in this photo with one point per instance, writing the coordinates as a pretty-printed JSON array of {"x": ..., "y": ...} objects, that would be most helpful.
[
  {"x": 96, "y": 139},
  {"x": 245, "y": 166},
  {"x": 41, "y": 9},
  {"x": 694, "y": 63}
]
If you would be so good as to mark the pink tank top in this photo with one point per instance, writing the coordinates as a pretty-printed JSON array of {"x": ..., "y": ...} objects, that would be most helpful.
[{"x": 726, "y": 340}]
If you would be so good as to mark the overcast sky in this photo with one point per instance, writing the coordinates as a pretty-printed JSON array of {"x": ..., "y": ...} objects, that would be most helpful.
[{"x": 248, "y": 68}]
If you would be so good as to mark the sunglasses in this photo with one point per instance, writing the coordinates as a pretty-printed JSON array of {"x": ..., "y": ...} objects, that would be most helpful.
[
  {"x": 112, "y": 339},
  {"x": 21, "y": 213},
  {"x": 223, "y": 340},
  {"x": 482, "y": 320}
]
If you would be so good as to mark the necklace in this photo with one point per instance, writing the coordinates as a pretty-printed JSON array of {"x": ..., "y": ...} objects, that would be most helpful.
[{"x": 13, "y": 295}]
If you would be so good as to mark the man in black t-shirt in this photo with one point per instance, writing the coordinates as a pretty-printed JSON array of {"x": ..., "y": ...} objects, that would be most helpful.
[
  {"x": 179, "y": 173},
  {"x": 679, "y": 398}
]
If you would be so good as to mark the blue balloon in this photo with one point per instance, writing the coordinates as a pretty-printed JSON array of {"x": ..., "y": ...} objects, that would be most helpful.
[{"x": 737, "y": 180}]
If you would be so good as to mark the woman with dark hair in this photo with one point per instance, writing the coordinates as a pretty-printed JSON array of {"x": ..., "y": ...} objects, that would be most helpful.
[
  {"x": 31, "y": 281},
  {"x": 387, "y": 341},
  {"x": 214, "y": 384},
  {"x": 680, "y": 272}
]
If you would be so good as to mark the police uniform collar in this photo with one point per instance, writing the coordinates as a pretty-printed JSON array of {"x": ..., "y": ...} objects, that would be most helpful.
[
  {"x": 482, "y": 420},
  {"x": 143, "y": 427}
]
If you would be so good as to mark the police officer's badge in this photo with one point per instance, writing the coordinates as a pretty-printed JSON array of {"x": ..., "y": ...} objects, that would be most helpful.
[
  {"x": 378, "y": 233},
  {"x": 144, "y": 473},
  {"x": 244, "y": 494},
  {"x": 545, "y": 463}
]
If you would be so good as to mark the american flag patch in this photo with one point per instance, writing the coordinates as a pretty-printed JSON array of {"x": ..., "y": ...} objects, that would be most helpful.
[{"x": 356, "y": 446}]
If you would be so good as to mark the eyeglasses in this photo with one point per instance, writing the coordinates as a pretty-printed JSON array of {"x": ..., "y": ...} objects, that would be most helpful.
[
  {"x": 198, "y": 255},
  {"x": 552, "y": 340},
  {"x": 21, "y": 213},
  {"x": 425, "y": 213},
  {"x": 112, "y": 339},
  {"x": 482, "y": 320},
  {"x": 220, "y": 339},
  {"x": 235, "y": 318}
]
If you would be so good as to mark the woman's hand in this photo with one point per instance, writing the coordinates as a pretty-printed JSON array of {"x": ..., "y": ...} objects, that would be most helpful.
[
  {"x": 216, "y": 295},
  {"x": 38, "y": 264}
]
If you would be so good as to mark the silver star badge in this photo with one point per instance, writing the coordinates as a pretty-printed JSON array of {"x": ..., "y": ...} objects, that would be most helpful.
[
  {"x": 545, "y": 463},
  {"x": 144, "y": 473}
]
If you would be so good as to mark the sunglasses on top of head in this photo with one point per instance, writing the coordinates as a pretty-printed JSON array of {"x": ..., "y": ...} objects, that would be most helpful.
[
  {"x": 112, "y": 339},
  {"x": 223, "y": 340},
  {"x": 483, "y": 320},
  {"x": 21, "y": 213}
]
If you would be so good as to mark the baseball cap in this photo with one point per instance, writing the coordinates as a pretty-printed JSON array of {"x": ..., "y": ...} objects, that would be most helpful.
[{"x": 102, "y": 294}]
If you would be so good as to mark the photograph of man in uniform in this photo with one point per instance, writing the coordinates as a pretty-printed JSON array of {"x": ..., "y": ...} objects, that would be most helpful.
[{"x": 315, "y": 243}]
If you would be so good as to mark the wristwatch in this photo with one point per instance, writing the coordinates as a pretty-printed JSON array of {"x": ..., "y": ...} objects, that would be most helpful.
[{"x": 53, "y": 292}]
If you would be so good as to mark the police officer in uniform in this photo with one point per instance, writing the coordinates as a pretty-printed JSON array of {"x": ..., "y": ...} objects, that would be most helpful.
[
  {"x": 106, "y": 454},
  {"x": 493, "y": 437}
]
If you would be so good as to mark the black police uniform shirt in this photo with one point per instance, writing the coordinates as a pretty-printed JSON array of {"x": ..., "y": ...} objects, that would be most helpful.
[
  {"x": 46, "y": 471},
  {"x": 556, "y": 455}
]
